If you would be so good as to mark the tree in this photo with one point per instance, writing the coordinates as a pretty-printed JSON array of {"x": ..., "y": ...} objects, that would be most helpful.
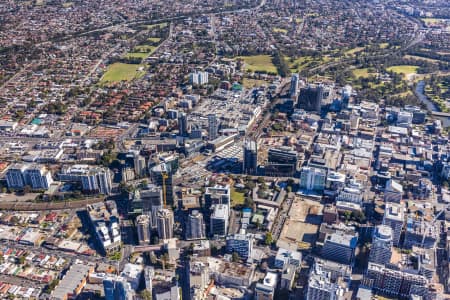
[
  {"x": 258, "y": 223},
  {"x": 248, "y": 202},
  {"x": 214, "y": 250},
  {"x": 279, "y": 61},
  {"x": 235, "y": 257},
  {"x": 153, "y": 258},
  {"x": 358, "y": 216},
  {"x": 263, "y": 266},
  {"x": 164, "y": 260},
  {"x": 347, "y": 215},
  {"x": 27, "y": 189},
  {"x": 146, "y": 294},
  {"x": 269, "y": 239},
  {"x": 250, "y": 185},
  {"x": 191, "y": 248},
  {"x": 51, "y": 286}
]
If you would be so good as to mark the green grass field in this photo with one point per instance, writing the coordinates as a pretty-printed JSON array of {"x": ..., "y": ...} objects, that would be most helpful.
[
  {"x": 354, "y": 50},
  {"x": 406, "y": 70},
  {"x": 144, "y": 48},
  {"x": 160, "y": 25},
  {"x": 364, "y": 73},
  {"x": 237, "y": 198},
  {"x": 279, "y": 30},
  {"x": 136, "y": 55},
  {"x": 299, "y": 63},
  {"x": 249, "y": 82},
  {"x": 119, "y": 72},
  {"x": 421, "y": 58},
  {"x": 154, "y": 39},
  {"x": 141, "y": 51},
  {"x": 432, "y": 21},
  {"x": 259, "y": 63}
]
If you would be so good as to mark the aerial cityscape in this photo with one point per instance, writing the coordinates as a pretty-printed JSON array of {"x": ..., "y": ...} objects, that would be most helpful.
[{"x": 225, "y": 149}]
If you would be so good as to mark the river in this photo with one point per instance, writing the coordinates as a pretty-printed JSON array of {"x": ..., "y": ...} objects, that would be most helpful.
[{"x": 420, "y": 88}]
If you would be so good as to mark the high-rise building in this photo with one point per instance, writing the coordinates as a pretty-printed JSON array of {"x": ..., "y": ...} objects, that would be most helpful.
[
  {"x": 282, "y": 155},
  {"x": 313, "y": 179},
  {"x": 266, "y": 289},
  {"x": 183, "y": 125},
  {"x": 394, "y": 218},
  {"x": 195, "y": 227},
  {"x": 393, "y": 192},
  {"x": 38, "y": 177},
  {"x": 219, "y": 220},
  {"x": 320, "y": 289},
  {"x": 199, "y": 78},
  {"x": 250, "y": 163},
  {"x": 310, "y": 98},
  {"x": 172, "y": 162},
  {"x": 282, "y": 162},
  {"x": 394, "y": 283},
  {"x": 199, "y": 278},
  {"x": 242, "y": 244},
  {"x": 117, "y": 288},
  {"x": 147, "y": 201},
  {"x": 217, "y": 195},
  {"x": 127, "y": 174},
  {"x": 35, "y": 176},
  {"x": 286, "y": 257},
  {"x": 346, "y": 94},
  {"x": 143, "y": 229},
  {"x": 161, "y": 175},
  {"x": 293, "y": 90},
  {"x": 327, "y": 280},
  {"x": 97, "y": 180},
  {"x": 213, "y": 127},
  {"x": 381, "y": 249},
  {"x": 14, "y": 176},
  {"x": 105, "y": 222},
  {"x": 420, "y": 232},
  {"x": 164, "y": 220},
  {"x": 140, "y": 167},
  {"x": 340, "y": 247}
]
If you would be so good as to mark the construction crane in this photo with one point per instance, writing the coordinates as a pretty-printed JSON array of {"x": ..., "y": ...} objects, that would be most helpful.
[{"x": 164, "y": 176}]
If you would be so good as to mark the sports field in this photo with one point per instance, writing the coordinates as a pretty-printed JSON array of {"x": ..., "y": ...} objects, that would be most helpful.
[
  {"x": 122, "y": 72},
  {"x": 259, "y": 63},
  {"x": 406, "y": 70}
]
